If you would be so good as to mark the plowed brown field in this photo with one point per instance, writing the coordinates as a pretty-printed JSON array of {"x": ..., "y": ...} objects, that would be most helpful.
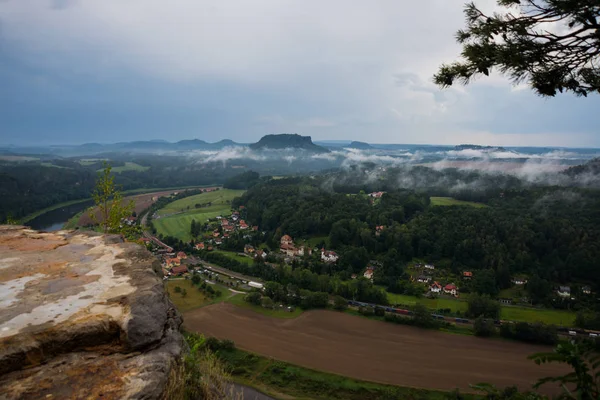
[{"x": 373, "y": 350}]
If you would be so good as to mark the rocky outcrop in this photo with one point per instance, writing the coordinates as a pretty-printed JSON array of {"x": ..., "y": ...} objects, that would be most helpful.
[{"x": 83, "y": 315}]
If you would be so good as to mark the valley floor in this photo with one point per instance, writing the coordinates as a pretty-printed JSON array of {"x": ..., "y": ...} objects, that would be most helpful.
[{"x": 373, "y": 350}]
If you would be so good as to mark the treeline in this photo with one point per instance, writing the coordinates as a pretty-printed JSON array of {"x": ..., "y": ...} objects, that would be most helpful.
[
  {"x": 244, "y": 180},
  {"x": 25, "y": 189},
  {"x": 29, "y": 186},
  {"x": 276, "y": 293},
  {"x": 358, "y": 289},
  {"x": 549, "y": 234}
]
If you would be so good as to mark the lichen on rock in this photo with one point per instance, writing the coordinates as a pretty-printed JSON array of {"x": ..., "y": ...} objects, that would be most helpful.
[{"x": 83, "y": 315}]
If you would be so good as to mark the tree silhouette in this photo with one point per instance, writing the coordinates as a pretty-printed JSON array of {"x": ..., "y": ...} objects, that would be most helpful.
[{"x": 554, "y": 45}]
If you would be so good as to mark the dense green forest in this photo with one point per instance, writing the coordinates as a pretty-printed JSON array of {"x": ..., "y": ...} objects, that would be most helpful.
[
  {"x": 551, "y": 234},
  {"x": 26, "y": 187}
]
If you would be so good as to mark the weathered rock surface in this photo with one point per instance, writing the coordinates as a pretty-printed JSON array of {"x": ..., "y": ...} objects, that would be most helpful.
[{"x": 82, "y": 316}]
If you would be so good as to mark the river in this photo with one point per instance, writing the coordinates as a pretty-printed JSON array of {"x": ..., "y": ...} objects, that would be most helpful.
[{"x": 55, "y": 219}]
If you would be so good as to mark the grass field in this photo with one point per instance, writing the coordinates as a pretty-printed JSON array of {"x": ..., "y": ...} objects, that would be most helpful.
[
  {"x": 434, "y": 304},
  {"x": 193, "y": 299},
  {"x": 238, "y": 300},
  {"x": 90, "y": 161},
  {"x": 556, "y": 317},
  {"x": 129, "y": 166},
  {"x": 236, "y": 257},
  {"x": 47, "y": 164},
  {"x": 449, "y": 201},
  {"x": 284, "y": 380},
  {"x": 218, "y": 198},
  {"x": 178, "y": 225}
]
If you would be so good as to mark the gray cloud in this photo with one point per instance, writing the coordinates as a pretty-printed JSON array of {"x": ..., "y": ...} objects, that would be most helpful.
[{"x": 336, "y": 69}]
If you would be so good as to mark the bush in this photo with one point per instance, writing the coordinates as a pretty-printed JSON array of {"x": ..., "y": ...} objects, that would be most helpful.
[
  {"x": 339, "y": 303},
  {"x": 266, "y": 302},
  {"x": 177, "y": 289},
  {"x": 422, "y": 317},
  {"x": 379, "y": 312},
  {"x": 482, "y": 305},
  {"x": 253, "y": 298},
  {"x": 195, "y": 279},
  {"x": 483, "y": 327},
  {"x": 532, "y": 333},
  {"x": 366, "y": 311}
]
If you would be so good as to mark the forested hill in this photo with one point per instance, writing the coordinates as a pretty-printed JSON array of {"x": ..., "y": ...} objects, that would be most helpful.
[
  {"x": 590, "y": 169},
  {"x": 551, "y": 234},
  {"x": 288, "y": 141}
]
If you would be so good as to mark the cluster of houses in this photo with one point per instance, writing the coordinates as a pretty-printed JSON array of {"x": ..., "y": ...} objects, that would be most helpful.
[
  {"x": 287, "y": 247},
  {"x": 228, "y": 226},
  {"x": 250, "y": 251},
  {"x": 565, "y": 291},
  {"x": 449, "y": 289},
  {"x": 173, "y": 264}
]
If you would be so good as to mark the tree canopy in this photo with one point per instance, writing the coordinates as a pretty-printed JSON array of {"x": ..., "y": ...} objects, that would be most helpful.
[{"x": 554, "y": 45}]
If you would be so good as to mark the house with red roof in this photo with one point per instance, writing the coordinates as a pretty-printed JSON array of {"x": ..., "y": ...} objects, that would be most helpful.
[
  {"x": 451, "y": 289},
  {"x": 200, "y": 246},
  {"x": 435, "y": 288},
  {"x": 287, "y": 246},
  {"x": 181, "y": 255},
  {"x": 179, "y": 270},
  {"x": 172, "y": 262},
  {"x": 286, "y": 239},
  {"x": 467, "y": 274}
]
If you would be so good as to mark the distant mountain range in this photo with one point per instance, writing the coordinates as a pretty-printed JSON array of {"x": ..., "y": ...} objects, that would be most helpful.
[{"x": 275, "y": 142}]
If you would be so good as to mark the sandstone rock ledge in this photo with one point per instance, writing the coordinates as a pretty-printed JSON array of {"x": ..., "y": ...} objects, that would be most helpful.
[{"x": 82, "y": 316}]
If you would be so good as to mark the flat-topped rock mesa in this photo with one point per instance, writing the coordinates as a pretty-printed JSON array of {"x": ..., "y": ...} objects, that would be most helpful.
[{"x": 83, "y": 315}]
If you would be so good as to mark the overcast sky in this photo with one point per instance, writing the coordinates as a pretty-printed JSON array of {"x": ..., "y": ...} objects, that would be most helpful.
[{"x": 76, "y": 71}]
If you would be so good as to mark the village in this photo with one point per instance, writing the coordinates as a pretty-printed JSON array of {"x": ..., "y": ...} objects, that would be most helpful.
[{"x": 222, "y": 228}]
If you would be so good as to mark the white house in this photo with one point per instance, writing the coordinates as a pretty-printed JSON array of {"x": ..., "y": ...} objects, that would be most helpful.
[
  {"x": 429, "y": 266},
  {"x": 564, "y": 291},
  {"x": 329, "y": 256},
  {"x": 435, "y": 288},
  {"x": 255, "y": 285},
  {"x": 519, "y": 281},
  {"x": 423, "y": 279},
  {"x": 369, "y": 273}
]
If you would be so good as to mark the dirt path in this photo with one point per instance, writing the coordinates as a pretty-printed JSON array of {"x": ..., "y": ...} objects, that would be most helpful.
[{"x": 373, "y": 350}]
